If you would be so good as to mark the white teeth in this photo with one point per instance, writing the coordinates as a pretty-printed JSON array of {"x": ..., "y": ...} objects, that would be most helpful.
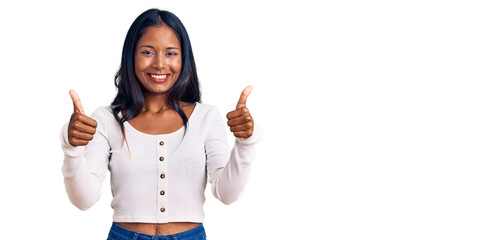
[{"x": 159, "y": 76}]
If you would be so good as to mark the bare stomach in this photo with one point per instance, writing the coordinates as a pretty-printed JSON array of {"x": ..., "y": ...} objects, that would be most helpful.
[{"x": 159, "y": 228}]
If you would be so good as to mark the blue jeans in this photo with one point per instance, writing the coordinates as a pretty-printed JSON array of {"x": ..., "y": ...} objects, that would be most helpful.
[{"x": 119, "y": 233}]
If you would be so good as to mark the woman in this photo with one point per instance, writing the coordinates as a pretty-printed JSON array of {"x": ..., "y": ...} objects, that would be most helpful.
[{"x": 160, "y": 144}]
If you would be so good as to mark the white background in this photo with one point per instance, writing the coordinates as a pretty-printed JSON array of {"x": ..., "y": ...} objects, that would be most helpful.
[{"x": 382, "y": 119}]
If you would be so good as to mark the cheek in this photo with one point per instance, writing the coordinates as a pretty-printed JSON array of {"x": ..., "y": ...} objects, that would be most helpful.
[
  {"x": 177, "y": 65},
  {"x": 138, "y": 72},
  {"x": 140, "y": 64}
]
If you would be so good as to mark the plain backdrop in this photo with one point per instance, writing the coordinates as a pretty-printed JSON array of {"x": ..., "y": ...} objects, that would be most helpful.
[{"x": 382, "y": 119}]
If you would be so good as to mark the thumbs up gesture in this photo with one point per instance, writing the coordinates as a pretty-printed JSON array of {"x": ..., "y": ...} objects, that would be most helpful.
[
  {"x": 240, "y": 121},
  {"x": 81, "y": 127}
]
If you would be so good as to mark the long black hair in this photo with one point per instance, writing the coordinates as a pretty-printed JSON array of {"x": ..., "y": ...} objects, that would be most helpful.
[{"x": 130, "y": 91}]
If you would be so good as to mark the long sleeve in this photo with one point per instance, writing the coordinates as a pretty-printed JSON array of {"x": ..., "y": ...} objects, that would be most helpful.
[
  {"x": 85, "y": 167},
  {"x": 228, "y": 171}
]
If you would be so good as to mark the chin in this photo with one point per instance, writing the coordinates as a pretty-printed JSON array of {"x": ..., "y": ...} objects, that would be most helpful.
[{"x": 158, "y": 91}]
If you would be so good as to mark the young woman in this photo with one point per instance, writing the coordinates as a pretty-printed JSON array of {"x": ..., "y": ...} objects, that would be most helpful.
[{"x": 159, "y": 143}]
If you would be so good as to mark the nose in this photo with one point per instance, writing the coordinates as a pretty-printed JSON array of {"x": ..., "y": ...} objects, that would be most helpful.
[{"x": 160, "y": 62}]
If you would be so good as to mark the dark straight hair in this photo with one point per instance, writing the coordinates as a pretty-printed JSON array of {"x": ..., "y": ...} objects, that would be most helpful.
[{"x": 130, "y": 95}]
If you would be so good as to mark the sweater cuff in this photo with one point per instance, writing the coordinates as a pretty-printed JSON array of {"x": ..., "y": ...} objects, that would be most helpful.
[
  {"x": 257, "y": 135},
  {"x": 68, "y": 149}
]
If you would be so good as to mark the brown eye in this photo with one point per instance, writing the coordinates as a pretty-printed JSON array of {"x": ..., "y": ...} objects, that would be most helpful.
[{"x": 146, "y": 52}]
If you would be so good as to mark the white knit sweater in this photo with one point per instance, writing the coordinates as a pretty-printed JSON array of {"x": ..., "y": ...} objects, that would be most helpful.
[{"x": 158, "y": 178}]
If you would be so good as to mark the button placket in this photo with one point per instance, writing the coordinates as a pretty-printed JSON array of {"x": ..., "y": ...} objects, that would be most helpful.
[{"x": 162, "y": 183}]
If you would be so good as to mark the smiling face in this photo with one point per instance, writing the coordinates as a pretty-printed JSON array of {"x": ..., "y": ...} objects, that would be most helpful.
[{"x": 158, "y": 59}]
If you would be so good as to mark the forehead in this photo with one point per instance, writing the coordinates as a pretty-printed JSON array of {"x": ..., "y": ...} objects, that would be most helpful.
[{"x": 159, "y": 36}]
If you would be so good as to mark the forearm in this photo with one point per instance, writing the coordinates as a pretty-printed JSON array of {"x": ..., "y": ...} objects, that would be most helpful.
[
  {"x": 82, "y": 179},
  {"x": 232, "y": 179}
]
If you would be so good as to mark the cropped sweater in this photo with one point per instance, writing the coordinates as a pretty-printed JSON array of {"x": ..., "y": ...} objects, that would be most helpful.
[{"x": 158, "y": 178}]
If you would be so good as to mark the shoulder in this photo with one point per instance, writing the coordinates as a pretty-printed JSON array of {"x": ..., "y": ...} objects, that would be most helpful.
[
  {"x": 206, "y": 115},
  {"x": 207, "y": 110},
  {"x": 104, "y": 116},
  {"x": 107, "y": 124},
  {"x": 204, "y": 106},
  {"x": 103, "y": 112}
]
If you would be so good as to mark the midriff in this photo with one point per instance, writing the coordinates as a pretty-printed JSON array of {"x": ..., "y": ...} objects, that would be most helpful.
[{"x": 159, "y": 228}]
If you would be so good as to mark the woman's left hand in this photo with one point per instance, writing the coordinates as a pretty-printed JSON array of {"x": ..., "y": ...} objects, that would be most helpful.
[{"x": 240, "y": 120}]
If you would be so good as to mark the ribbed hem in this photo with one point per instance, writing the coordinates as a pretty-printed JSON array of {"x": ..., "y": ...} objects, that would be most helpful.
[
  {"x": 258, "y": 133},
  {"x": 149, "y": 219},
  {"x": 68, "y": 149}
]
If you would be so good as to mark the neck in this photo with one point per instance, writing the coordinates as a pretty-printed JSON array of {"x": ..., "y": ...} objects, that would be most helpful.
[{"x": 155, "y": 103}]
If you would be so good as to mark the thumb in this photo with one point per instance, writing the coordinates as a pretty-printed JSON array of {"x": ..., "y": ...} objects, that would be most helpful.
[
  {"x": 77, "y": 105},
  {"x": 244, "y": 95}
]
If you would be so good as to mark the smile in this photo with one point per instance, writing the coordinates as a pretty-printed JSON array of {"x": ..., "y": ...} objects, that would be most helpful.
[{"x": 158, "y": 77}]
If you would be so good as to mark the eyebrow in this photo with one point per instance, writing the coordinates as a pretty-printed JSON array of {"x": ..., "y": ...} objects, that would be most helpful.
[{"x": 148, "y": 46}]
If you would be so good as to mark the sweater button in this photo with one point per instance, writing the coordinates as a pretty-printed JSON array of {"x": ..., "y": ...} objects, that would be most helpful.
[
  {"x": 162, "y": 175},
  {"x": 162, "y": 192},
  {"x": 162, "y": 209},
  {"x": 161, "y": 143},
  {"x": 161, "y": 158}
]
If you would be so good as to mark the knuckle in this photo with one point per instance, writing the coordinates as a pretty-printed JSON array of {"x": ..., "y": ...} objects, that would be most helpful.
[{"x": 73, "y": 142}]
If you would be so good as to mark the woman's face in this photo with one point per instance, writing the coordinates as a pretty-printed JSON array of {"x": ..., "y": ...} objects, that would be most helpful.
[{"x": 158, "y": 59}]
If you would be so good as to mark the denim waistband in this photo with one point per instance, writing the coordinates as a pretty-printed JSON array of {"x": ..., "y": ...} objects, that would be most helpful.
[{"x": 119, "y": 233}]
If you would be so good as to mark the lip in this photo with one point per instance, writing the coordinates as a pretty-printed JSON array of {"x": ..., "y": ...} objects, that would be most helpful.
[{"x": 158, "y": 80}]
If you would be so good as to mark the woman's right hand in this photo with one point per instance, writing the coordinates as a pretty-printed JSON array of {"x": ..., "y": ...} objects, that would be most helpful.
[{"x": 81, "y": 127}]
